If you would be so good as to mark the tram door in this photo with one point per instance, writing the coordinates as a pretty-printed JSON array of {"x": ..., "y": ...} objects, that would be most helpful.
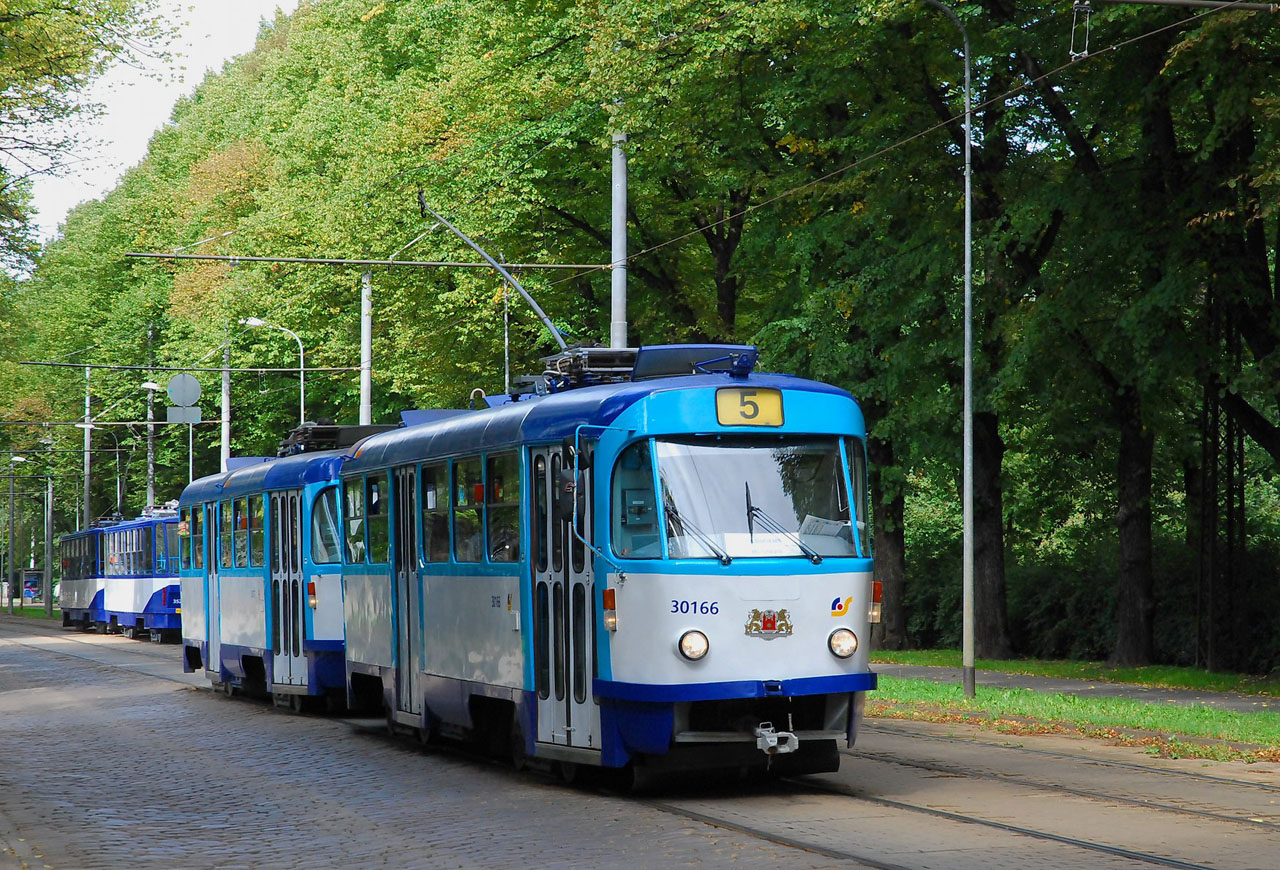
[
  {"x": 407, "y": 592},
  {"x": 213, "y": 561},
  {"x": 288, "y": 595},
  {"x": 563, "y": 605}
]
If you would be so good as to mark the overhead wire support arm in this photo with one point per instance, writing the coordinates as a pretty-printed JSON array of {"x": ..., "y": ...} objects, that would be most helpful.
[
  {"x": 1201, "y": 4},
  {"x": 555, "y": 333},
  {"x": 337, "y": 261}
]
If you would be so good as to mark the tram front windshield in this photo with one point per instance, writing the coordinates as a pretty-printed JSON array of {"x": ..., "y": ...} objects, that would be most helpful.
[{"x": 729, "y": 498}]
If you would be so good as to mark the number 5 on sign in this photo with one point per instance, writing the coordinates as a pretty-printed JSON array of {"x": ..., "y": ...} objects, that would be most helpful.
[{"x": 742, "y": 407}]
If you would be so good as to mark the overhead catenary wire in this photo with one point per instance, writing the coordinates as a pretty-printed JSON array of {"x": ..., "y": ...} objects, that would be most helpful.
[{"x": 880, "y": 152}]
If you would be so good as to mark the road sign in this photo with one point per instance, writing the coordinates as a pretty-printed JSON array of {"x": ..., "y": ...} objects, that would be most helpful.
[
  {"x": 181, "y": 414},
  {"x": 184, "y": 390}
]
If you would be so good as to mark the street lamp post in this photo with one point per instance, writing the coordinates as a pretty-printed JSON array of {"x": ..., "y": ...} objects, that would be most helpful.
[
  {"x": 13, "y": 461},
  {"x": 151, "y": 387},
  {"x": 969, "y": 677},
  {"x": 254, "y": 322}
]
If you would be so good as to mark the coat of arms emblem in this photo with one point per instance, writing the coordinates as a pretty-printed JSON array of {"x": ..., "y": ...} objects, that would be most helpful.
[{"x": 768, "y": 624}]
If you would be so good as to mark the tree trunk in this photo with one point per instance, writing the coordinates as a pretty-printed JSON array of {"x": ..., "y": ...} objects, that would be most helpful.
[
  {"x": 991, "y": 621},
  {"x": 1135, "y": 605},
  {"x": 889, "y": 548}
]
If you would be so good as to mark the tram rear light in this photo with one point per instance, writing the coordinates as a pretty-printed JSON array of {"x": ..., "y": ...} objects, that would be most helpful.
[
  {"x": 609, "y": 601},
  {"x": 311, "y": 594},
  {"x": 873, "y": 611}
]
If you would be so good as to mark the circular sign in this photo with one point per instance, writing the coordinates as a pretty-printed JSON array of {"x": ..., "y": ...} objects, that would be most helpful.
[{"x": 184, "y": 390}]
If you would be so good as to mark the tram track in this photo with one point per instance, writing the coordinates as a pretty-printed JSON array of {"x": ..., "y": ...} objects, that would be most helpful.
[
  {"x": 954, "y": 770},
  {"x": 1066, "y": 756},
  {"x": 1088, "y": 845}
]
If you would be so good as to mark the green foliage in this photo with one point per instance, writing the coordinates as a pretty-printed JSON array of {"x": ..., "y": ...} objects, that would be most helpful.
[{"x": 795, "y": 181}]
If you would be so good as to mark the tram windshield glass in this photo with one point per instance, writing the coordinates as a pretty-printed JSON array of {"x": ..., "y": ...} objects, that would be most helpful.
[{"x": 735, "y": 497}]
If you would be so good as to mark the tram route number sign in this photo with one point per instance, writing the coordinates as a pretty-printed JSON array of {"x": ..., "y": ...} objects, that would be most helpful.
[{"x": 739, "y": 406}]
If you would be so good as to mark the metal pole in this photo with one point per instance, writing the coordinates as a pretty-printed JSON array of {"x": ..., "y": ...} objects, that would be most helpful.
[
  {"x": 618, "y": 305},
  {"x": 969, "y": 670},
  {"x": 366, "y": 348},
  {"x": 226, "y": 405},
  {"x": 151, "y": 430},
  {"x": 13, "y": 537},
  {"x": 190, "y": 452},
  {"x": 88, "y": 511},
  {"x": 48, "y": 545},
  {"x": 506, "y": 339}
]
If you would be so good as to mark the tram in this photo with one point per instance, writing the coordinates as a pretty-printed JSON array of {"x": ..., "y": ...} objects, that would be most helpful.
[
  {"x": 123, "y": 576},
  {"x": 659, "y": 561}
]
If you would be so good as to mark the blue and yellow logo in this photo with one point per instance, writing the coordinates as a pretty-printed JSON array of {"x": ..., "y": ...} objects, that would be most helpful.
[{"x": 840, "y": 608}]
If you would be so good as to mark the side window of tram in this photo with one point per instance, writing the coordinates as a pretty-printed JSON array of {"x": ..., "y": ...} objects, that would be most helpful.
[
  {"x": 379, "y": 518},
  {"x": 224, "y": 534},
  {"x": 241, "y": 513},
  {"x": 435, "y": 513},
  {"x": 468, "y": 507},
  {"x": 353, "y": 519},
  {"x": 502, "y": 507},
  {"x": 149, "y": 548},
  {"x": 324, "y": 528},
  {"x": 635, "y": 515},
  {"x": 858, "y": 475},
  {"x": 197, "y": 536},
  {"x": 540, "y": 510},
  {"x": 257, "y": 532}
]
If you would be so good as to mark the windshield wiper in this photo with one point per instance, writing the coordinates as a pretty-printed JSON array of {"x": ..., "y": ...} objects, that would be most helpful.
[
  {"x": 696, "y": 533},
  {"x": 777, "y": 528}
]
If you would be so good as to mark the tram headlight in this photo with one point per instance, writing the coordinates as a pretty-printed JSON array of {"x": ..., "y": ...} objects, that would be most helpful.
[
  {"x": 694, "y": 645},
  {"x": 842, "y": 643}
]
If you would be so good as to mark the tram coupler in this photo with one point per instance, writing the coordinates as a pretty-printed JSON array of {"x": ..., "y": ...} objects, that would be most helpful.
[{"x": 772, "y": 742}]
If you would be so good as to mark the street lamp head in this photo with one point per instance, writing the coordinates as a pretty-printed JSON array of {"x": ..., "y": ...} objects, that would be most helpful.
[
  {"x": 17, "y": 459},
  {"x": 252, "y": 321},
  {"x": 85, "y": 426},
  {"x": 150, "y": 385}
]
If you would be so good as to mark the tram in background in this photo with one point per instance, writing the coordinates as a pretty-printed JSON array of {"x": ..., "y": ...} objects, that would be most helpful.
[
  {"x": 661, "y": 562},
  {"x": 123, "y": 576}
]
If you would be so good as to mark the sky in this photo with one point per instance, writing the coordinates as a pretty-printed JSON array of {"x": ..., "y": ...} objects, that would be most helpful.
[{"x": 136, "y": 103}]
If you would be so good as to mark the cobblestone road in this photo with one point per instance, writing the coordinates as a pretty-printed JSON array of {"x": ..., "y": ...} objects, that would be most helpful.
[{"x": 106, "y": 769}]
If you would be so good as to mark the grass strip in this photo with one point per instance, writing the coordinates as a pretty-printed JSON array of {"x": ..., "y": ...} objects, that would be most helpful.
[
  {"x": 1173, "y": 730},
  {"x": 1160, "y": 676},
  {"x": 36, "y": 612}
]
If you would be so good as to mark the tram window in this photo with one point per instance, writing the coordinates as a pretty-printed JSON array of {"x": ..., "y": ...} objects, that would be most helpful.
[
  {"x": 557, "y": 534},
  {"x": 379, "y": 519},
  {"x": 580, "y": 525},
  {"x": 257, "y": 532},
  {"x": 435, "y": 513},
  {"x": 224, "y": 534},
  {"x": 197, "y": 536},
  {"x": 148, "y": 550},
  {"x": 468, "y": 509},
  {"x": 858, "y": 475},
  {"x": 635, "y": 518},
  {"x": 579, "y": 599},
  {"x": 541, "y": 659},
  {"x": 540, "y": 510},
  {"x": 324, "y": 527},
  {"x": 240, "y": 511},
  {"x": 557, "y": 599},
  {"x": 502, "y": 507},
  {"x": 353, "y": 518}
]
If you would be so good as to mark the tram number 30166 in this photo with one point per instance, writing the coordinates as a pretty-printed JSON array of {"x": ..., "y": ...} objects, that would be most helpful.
[{"x": 704, "y": 607}]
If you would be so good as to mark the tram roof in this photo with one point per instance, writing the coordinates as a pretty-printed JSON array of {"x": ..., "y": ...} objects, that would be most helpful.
[
  {"x": 288, "y": 472},
  {"x": 543, "y": 419}
]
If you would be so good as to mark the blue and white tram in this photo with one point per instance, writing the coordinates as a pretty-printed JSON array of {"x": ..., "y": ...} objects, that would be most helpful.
[
  {"x": 141, "y": 594},
  {"x": 261, "y": 579},
  {"x": 686, "y": 583},
  {"x": 80, "y": 589}
]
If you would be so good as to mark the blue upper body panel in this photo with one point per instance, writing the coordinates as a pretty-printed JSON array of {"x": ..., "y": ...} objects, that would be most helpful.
[
  {"x": 544, "y": 419},
  {"x": 289, "y": 472}
]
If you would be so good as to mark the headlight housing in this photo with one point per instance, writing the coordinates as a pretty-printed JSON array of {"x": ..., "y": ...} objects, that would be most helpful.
[
  {"x": 843, "y": 643},
  {"x": 694, "y": 645}
]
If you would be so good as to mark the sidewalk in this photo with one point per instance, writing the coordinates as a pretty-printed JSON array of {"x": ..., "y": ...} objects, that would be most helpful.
[{"x": 1088, "y": 689}]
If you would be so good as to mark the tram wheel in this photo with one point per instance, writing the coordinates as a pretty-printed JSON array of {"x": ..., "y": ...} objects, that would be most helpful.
[
  {"x": 296, "y": 702},
  {"x": 569, "y": 771},
  {"x": 128, "y": 631}
]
